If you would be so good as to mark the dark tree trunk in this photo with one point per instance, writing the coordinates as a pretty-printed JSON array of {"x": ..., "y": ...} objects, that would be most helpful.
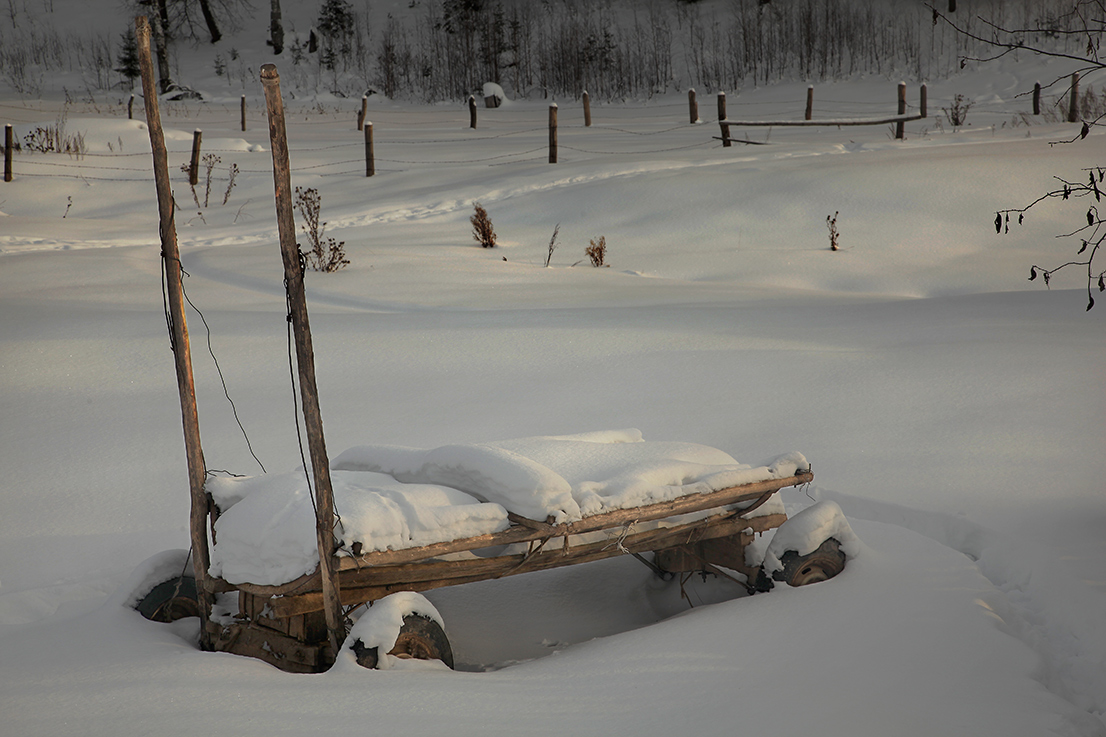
[
  {"x": 276, "y": 27},
  {"x": 209, "y": 19}
]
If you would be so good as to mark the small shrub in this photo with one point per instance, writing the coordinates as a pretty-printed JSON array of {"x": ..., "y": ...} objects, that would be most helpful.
[
  {"x": 831, "y": 223},
  {"x": 597, "y": 251},
  {"x": 329, "y": 255},
  {"x": 482, "y": 230},
  {"x": 957, "y": 113}
]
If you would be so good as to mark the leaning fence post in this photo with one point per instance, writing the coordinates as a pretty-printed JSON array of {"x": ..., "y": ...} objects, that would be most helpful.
[
  {"x": 194, "y": 171},
  {"x": 130, "y": 107},
  {"x": 305, "y": 360},
  {"x": 370, "y": 157},
  {"x": 900, "y": 126},
  {"x": 553, "y": 133},
  {"x": 722, "y": 106},
  {"x": 243, "y": 116},
  {"x": 1037, "y": 99},
  {"x": 472, "y": 112},
  {"x": 693, "y": 106},
  {"x": 9, "y": 143},
  {"x": 923, "y": 101},
  {"x": 1073, "y": 107},
  {"x": 809, "y": 103},
  {"x": 364, "y": 112},
  {"x": 587, "y": 109}
]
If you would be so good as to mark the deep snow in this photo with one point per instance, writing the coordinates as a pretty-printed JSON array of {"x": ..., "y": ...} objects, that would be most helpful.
[{"x": 953, "y": 410}]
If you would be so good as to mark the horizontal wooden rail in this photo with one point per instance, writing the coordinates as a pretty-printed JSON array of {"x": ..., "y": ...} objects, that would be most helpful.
[{"x": 807, "y": 123}]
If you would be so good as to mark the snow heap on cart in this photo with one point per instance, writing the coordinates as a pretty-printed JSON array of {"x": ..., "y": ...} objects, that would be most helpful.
[{"x": 410, "y": 520}]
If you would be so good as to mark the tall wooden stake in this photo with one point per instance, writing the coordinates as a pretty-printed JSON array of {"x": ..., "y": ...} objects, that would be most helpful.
[
  {"x": 809, "y": 114},
  {"x": 900, "y": 126},
  {"x": 305, "y": 357},
  {"x": 553, "y": 133},
  {"x": 9, "y": 143},
  {"x": 370, "y": 157},
  {"x": 1073, "y": 106},
  {"x": 692, "y": 107},
  {"x": 197, "y": 471},
  {"x": 472, "y": 112},
  {"x": 194, "y": 168},
  {"x": 587, "y": 109},
  {"x": 721, "y": 105},
  {"x": 243, "y": 109}
]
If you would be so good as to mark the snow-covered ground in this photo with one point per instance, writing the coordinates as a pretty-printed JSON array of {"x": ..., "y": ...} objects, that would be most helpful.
[{"x": 951, "y": 408}]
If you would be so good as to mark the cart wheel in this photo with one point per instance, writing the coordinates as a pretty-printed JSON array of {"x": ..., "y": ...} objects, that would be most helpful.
[
  {"x": 420, "y": 638},
  {"x": 822, "y": 564},
  {"x": 171, "y": 600}
]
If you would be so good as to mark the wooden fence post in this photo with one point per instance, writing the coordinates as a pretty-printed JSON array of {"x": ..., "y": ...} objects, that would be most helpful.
[
  {"x": 553, "y": 133},
  {"x": 952, "y": 6},
  {"x": 587, "y": 109},
  {"x": 305, "y": 358},
  {"x": 130, "y": 107},
  {"x": 9, "y": 144},
  {"x": 900, "y": 126},
  {"x": 1073, "y": 106},
  {"x": 370, "y": 157},
  {"x": 243, "y": 116},
  {"x": 364, "y": 112},
  {"x": 182, "y": 355},
  {"x": 693, "y": 106},
  {"x": 923, "y": 101},
  {"x": 194, "y": 171},
  {"x": 725, "y": 134},
  {"x": 1037, "y": 99},
  {"x": 809, "y": 103},
  {"x": 472, "y": 112},
  {"x": 721, "y": 105}
]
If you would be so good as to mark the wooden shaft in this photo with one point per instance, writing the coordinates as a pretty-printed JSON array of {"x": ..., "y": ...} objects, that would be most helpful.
[
  {"x": 725, "y": 133},
  {"x": 721, "y": 105},
  {"x": 243, "y": 116},
  {"x": 587, "y": 109},
  {"x": 1073, "y": 106},
  {"x": 923, "y": 100},
  {"x": 370, "y": 157},
  {"x": 809, "y": 103},
  {"x": 472, "y": 112},
  {"x": 305, "y": 357},
  {"x": 553, "y": 133},
  {"x": 130, "y": 107},
  {"x": 9, "y": 144},
  {"x": 182, "y": 354},
  {"x": 1037, "y": 98},
  {"x": 194, "y": 171},
  {"x": 692, "y": 106},
  {"x": 364, "y": 112}
]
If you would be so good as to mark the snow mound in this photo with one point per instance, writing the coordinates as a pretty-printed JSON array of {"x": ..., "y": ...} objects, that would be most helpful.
[{"x": 808, "y": 529}]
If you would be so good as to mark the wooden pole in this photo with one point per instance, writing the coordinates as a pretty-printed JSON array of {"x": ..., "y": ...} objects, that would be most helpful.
[
  {"x": 725, "y": 134},
  {"x": 1073, "y": 106},
  {"x": 243, "y": 116},
  {"x": 182, "y": 354},
  {"x": 305, "y": 357},
  {"x": 130, "y": 107},
  {"x": 364, "y": 112},
  {"x": 194, "y": 171},
  {"x": 1037, "y": 99},
  {"x": 721, "y": 105},
  {"x": 370, "y": 157},
  {"x": 809, "y": 114},
  {"x": 9, "y": 144},
  {"x": 553, "y": 133},
  {"x": 472, "y": 112},
  {"x": 900, "y": 126},
  {"x": 923, "y": 100},
  {"x": 692, "y": 106},
  {"x": 587, "y": 109}
]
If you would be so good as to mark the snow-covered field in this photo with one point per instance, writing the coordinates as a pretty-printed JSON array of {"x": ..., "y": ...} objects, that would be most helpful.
[{"x": 951, "y": 408}]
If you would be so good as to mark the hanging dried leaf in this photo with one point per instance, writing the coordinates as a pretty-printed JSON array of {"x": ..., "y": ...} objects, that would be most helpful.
[
  {"x": 998, "y": 222},
  {"x": 1032, "y": 273},
  {"x": 1101, "y": 284},
  {"x": 1047, "y": 275},
  {"x": 1086, "y": 129},
  {"x": 1090, "y": 216},
  {"x": 1082, "y": 248},
  {"x": 1021, "y": 216},
  {"x": 1090, "y": 302}
]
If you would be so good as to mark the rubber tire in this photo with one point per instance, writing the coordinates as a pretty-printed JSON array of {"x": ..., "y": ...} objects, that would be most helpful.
[
  {"x": 821, "y": 565},
  {"x": 171, "y": 600},
  {"x": 420, "y": 637}
]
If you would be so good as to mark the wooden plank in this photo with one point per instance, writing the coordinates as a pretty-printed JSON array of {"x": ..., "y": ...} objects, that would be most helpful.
[
  {"x": 368, "y": 584},
  {"x": 182, "y": 354},
  {"x": 536, "y": 531},
  {"x": 305, "y": 355},
  {"x": 279, "y": 650}
]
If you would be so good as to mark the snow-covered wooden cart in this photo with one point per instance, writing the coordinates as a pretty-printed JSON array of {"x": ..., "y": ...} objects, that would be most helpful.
[{"x": 266, "y": 582}]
